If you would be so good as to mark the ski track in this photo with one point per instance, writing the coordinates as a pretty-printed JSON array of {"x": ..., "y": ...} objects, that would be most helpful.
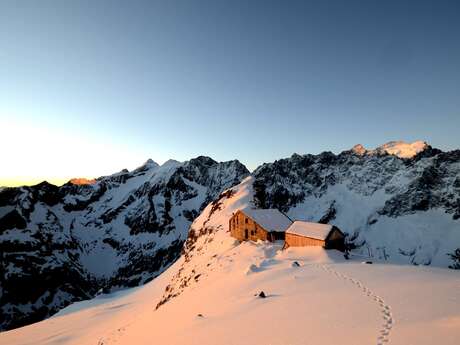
[{"x": 385, "y": 309}]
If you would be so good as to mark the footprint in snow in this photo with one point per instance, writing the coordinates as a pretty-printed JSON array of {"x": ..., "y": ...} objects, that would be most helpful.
[{"x": 385, "y": 309}]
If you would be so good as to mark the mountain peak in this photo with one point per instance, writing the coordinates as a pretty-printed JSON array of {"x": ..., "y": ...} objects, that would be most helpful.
[
  {"x": 170, "y": 163},
  {"x": 398, "y": 148},
  {"x": 359, "y": 149},
  {"x": 150, "y": 163},
  {"x": 82, "y": 181},
  {"x": 203, "y": 160},
  {"x": 402, "y": 149}
]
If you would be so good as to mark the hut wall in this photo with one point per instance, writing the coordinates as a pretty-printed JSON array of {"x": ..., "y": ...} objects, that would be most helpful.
[
  {"x": 293, "y": 240},
  {"x": 240, "y": 225}
]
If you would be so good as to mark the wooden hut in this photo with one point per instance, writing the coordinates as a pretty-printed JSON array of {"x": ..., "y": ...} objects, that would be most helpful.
[
  {"x": 258, "y": 224},
  {"x": 303, "y": 234}
]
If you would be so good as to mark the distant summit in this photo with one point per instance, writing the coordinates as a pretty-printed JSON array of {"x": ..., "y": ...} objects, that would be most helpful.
[
  {"x": 399, "y": 148},
  {"x": 82, "y": 181},
  {"x": 148, "y": 165},
  {"x": 359, "y": 149}
]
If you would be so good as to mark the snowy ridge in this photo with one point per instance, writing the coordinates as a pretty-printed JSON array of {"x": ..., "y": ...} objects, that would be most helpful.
[{"x": 61, "y": 244}]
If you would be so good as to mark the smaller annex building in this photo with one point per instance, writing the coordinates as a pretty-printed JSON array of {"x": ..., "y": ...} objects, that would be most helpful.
[
  {"x": 259, "y": 224},
  {"x": 302, "y": 234}
]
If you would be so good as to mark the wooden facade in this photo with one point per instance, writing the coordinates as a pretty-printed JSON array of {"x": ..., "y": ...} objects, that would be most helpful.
[
  {"x": 294, "y": 240},
  {"x": 244, "y": 228},
  {"x": 334, "y": 240}
]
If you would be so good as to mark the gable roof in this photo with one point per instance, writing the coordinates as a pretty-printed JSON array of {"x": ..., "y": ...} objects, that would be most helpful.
[
  {"x": 308, "y": 229},
  {"x": 270, "y": 219}
]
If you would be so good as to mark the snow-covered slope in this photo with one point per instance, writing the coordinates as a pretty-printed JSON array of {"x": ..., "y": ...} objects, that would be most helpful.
[
  {"x": 62, "y": 244},
  {"x": 313, "y": 296}
]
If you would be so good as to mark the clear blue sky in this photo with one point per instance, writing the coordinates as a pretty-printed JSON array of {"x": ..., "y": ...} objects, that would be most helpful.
[{"x": 103, "y": 85}]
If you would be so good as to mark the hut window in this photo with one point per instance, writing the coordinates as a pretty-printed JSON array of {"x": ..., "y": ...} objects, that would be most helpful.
[
  {"x": 246, "y": 221},
  {"x": 252, "y": 232}
]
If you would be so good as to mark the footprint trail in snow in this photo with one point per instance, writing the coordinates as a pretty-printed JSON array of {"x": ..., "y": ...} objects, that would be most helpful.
[{"x": 385, "y": 310}]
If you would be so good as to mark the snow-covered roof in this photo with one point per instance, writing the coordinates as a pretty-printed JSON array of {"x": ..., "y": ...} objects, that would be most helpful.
[
  {"x": 308, "y": 229},
  {"x": 270, "y": 219}
]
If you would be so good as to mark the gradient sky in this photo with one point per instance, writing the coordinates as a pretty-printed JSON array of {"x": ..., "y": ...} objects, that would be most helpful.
[{"x": 90, "y": 87}]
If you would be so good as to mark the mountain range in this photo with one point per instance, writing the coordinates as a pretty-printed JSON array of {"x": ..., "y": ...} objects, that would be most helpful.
[{"x": 398, "y": 203}]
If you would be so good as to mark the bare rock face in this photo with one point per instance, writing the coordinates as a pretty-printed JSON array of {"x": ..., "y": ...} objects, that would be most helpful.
[{"x": 63, "y": 244}]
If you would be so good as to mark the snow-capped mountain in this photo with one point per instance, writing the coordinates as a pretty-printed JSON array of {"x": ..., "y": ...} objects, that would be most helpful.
[
  {"x": 212, "y": 296},
  {"x": 399, "y": 148},
  {"x": 400, "y": 210},
  {"x": 397, "y": 203},
  {"x": 62, "y": 244}
]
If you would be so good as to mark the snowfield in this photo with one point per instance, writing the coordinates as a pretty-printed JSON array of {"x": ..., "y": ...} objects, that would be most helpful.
[{"x": 324, "y": 300}]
